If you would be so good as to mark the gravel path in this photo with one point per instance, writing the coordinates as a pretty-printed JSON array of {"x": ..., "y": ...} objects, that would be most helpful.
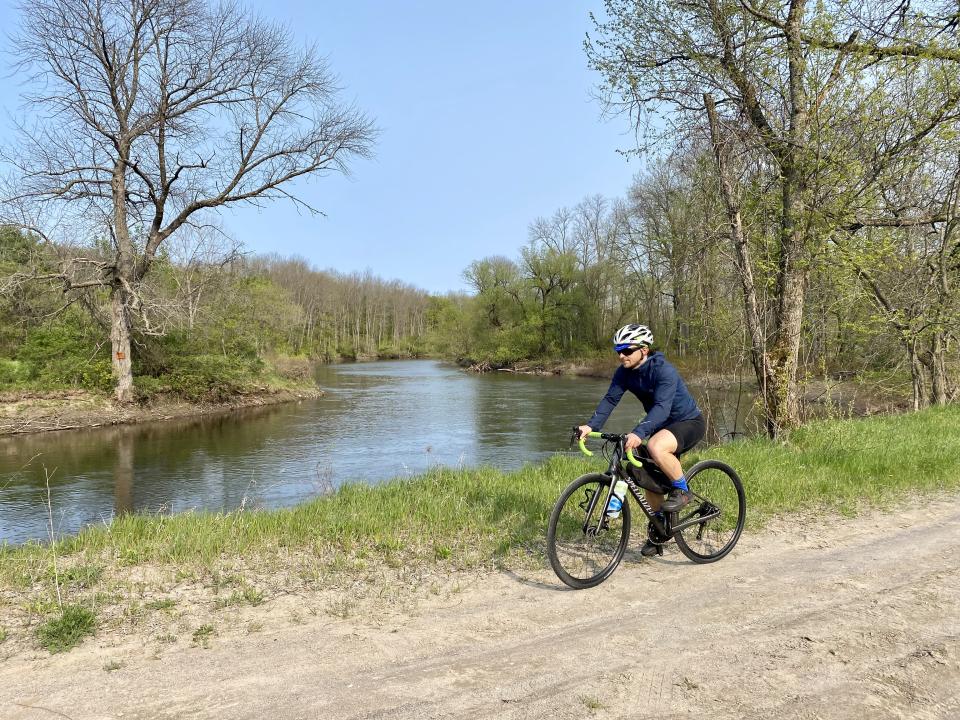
[{"x": 855, "y": 618}]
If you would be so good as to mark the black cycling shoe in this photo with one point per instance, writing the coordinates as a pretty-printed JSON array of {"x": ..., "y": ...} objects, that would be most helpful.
[
  {"x": 650, "y": 549},
  {"x": 676, "y": 500}
]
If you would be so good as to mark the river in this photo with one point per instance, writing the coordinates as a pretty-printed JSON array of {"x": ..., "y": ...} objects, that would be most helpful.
[{"x": 377, "y": 421}]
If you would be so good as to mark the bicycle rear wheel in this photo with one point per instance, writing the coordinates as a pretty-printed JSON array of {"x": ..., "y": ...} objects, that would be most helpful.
[
  {"x": 585, "y": 546},
  {"x": 716, "y": 513}
]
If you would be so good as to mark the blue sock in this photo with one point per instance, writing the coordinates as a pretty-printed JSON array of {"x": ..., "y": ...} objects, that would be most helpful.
[{"x": 681, "y": 483}]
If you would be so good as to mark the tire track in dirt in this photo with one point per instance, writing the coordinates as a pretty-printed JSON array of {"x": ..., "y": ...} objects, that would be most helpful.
[{"x": 834, "y": 619}]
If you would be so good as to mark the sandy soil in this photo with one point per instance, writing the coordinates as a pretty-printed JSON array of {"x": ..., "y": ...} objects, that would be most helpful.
[{"x": 852, "y": 619}]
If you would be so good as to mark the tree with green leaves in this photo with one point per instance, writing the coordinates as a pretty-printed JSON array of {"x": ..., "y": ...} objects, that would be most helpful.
[{"x": 793, "y": 114}]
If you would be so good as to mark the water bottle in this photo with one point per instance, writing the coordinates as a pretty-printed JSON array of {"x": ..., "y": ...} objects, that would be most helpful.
[{"x": 616, "y": 501}]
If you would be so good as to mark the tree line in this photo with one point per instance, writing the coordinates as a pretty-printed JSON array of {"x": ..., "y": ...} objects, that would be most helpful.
[
  {"x": 215, "y": 311},
  {"x": 800, "y": 211},
  {"x": 798, "y": 214}
]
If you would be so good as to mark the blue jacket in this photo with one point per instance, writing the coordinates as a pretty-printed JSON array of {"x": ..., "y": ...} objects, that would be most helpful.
[{"x": 659, "y": 388}]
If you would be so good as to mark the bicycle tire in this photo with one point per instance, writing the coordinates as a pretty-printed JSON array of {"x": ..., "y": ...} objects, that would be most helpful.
[
  {"x": 584, "y": 558},
  {"x": 715, "y": 486}
]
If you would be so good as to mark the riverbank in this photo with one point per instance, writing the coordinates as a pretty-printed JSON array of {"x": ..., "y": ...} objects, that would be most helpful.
[
  {"x": 808, "y": 618},
  {"x": 43, "y": 411},
  {"x": 144, "y": 573},
  {"x": 845, "y": 395}
]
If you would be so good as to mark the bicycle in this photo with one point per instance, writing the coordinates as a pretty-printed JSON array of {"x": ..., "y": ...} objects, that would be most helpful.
[{"x": 585, "y": 544}]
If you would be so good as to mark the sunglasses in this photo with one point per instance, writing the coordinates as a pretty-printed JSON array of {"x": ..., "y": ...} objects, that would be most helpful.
[{"x": 628, "y": 351}]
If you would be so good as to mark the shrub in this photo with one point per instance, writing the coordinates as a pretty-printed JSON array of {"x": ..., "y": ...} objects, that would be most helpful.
[
  {"x": 211, "y": 378},
  {"x": 67, "y": 352},
  {"x": 13, "y": 373}
]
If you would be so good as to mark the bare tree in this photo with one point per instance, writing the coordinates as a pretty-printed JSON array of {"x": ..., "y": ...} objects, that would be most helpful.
[
  {"x": 152, "y": 113},
  {"x": 198, "y": 258}
]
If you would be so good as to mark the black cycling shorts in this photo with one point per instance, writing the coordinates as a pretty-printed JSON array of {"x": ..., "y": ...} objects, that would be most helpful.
[{"x": 687, "y": 432}]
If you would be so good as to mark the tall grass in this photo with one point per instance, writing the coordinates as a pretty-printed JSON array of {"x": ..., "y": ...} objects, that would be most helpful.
[{"x": 485, "y": 516}]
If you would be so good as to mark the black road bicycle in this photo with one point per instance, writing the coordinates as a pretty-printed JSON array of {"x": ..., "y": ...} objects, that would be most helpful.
[{"x": 585, "y": 543}]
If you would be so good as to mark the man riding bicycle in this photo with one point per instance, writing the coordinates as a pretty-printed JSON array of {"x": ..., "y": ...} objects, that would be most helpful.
[{"x": 673, "y": 423}]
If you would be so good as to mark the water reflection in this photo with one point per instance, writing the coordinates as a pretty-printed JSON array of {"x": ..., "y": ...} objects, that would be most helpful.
[
  {"x": 377, "y": 421},
  {"x": 123, "y": 475}
]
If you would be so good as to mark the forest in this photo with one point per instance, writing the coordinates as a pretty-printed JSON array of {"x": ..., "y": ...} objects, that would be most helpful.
[{"x": 796, "y": 214}]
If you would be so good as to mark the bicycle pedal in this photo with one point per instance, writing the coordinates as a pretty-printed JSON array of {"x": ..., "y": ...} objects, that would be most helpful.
[{"x": 660, "y": 550}]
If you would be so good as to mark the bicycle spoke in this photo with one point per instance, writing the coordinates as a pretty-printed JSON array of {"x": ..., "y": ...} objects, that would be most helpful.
[
  {"x": 583, "y": 544},
  {"x": 718, "y": 499}
]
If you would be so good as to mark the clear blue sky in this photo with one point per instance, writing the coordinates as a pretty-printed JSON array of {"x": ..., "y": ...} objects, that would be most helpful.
[{"x": 487, "y": 122}]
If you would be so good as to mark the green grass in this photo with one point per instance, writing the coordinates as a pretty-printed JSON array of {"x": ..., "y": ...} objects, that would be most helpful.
[
  {"x": 81, "y": 576},
  {"x": 464, "y": 518},
  {"x": 67, "y": 628}
]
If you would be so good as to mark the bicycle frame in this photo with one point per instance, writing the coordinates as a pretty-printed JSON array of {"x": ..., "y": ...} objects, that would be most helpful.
[{"x": 616, "y": 472}]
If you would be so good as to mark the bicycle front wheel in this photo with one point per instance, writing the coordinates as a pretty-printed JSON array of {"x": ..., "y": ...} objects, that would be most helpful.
[
  {"x": 715, "y": 516},
  {"x": 583, "y": 544}
]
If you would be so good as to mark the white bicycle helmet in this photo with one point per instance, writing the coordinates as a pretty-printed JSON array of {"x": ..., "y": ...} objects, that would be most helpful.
[{"x": 632, "y": 335}]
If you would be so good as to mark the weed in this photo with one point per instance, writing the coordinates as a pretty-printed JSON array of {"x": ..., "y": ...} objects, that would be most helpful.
[
  {"x": 162, "y": 604},
  {"x": 220, "y": 580},
  {"x": 248, "y": 596},
  {"x": 341, "y": 608},
  {"x": 167, "y": 639},
  {"x": 442, "y": 552},
  {"x": 82, "y": 576},
  {"x": 133, "y": 612},
  {"x": 3, "y": 633},
  {"x": 202, "y": 635},
  {"x": 66, "y": 630},
  {"x": 112, "y": 665},
  {"x": 591, "y": 703}
]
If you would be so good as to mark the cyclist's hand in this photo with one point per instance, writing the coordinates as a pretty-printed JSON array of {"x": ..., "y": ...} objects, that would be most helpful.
[
  {"x": 584, "y": 431},
  {"x": 632, "y": 441}
]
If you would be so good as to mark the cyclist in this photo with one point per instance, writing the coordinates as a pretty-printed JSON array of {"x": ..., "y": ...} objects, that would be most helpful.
[{"x": 673, "y": 423}]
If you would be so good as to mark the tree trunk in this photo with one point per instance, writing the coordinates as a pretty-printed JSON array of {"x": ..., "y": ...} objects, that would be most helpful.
[
  {"x": 938, "y": 369},
  {"x": 917, "y": 375},
  {"x": 783, "y": 394},
  {"x": 120, "y": 343},
  {"x": 783, "y": 397},
  {"x": 744, "y": 266},
  {"x": 120, "y": 293}
]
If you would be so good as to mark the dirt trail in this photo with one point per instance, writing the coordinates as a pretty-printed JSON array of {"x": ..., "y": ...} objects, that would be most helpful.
[{"x": 858, "y": 619}]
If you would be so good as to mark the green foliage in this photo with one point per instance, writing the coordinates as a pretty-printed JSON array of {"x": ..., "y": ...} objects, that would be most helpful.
[
  {"x": 66, "y": 351},
  {"x": 67, "y": 629},
  {"x": 13, "y": 373},
  {"x": 204, "y": 378}
]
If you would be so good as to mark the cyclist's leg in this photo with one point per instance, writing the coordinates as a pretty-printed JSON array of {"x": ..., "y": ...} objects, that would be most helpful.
[
  {"x": 655, "y": 499},
  {"x": 663, "y": 443},
  {"x": 663, "y": 449},
  {"x": 667, "y": 445}
]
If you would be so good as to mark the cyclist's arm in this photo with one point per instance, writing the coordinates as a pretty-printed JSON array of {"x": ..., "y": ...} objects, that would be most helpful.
[
  {"x": 663, "y": 394},
  {"x": 609, "y": 401}
]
